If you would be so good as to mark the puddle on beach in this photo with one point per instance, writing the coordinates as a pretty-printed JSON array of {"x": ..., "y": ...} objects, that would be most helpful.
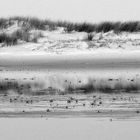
[{"x": 62, "y": 81}]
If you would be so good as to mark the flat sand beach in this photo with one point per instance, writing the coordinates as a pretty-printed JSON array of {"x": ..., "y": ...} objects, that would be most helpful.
[{"x": 72, "y": 128}]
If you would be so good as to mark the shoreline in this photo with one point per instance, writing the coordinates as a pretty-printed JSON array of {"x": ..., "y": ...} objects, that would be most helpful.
[{"x": 98, "y": 114}]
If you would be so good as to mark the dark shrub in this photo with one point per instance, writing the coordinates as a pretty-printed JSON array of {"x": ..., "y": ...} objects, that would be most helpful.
[{"x": 7, "y": 39}]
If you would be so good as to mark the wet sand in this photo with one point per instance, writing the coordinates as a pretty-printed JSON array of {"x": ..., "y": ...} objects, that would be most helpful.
[
  {"x": 68, "y": 129},
  {"x": 113, "y": 106}
]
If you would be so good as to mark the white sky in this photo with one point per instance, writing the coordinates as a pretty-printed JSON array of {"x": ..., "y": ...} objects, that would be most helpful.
[{"x": 73, "y": 10}]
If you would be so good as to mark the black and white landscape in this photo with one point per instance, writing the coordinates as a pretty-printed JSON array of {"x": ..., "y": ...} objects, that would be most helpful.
[
  {"x": 51, "y": 69},
  {"x": 65, "y": 79}
]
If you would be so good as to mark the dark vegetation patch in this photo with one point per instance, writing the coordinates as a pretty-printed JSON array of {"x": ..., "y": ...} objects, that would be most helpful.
[
  {"x": 20, "y": 34},
  {"x": 40, "y": 24},
  {"x": 8, "y": 40},
  {"x": 27, "y": 24}
]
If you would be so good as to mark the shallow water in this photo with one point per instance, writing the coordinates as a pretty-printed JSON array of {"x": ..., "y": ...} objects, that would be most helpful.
[
  {"x": 71, "y": 80},
  {"x": 68, "y": 129},
  {"x": 72, "y": 72}
]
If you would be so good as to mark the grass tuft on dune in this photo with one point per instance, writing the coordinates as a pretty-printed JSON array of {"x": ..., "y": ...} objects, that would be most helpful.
[{"x": 36, "y": 23}]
